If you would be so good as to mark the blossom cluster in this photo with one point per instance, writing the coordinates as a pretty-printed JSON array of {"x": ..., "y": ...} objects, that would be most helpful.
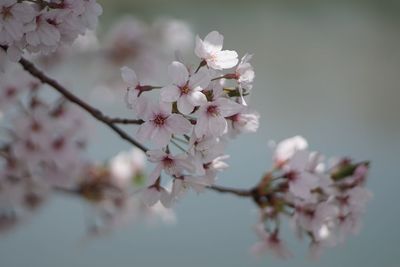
[
  {"x": 112, "y": 189},
  {"x": 196, "y": 113},
  {"x": 42, "y": 150},
  {"x": 325, "y": 201},
  {"x": 147, "y": 46},
  {"x": 189, "y": 122},
  {"x": 42, "y": 26},
  {"x": 41, "y": 146}
]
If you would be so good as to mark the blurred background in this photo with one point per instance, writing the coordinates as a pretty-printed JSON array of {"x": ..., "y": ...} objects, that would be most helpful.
[{"x": 328, "y": 70}]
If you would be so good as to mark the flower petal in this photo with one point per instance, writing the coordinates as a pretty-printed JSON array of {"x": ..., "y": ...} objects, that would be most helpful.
[
  {"x": 201, "y": 127},
  {"x": 184, "y": 105},
  {"x": 177, "y": 124},
  {"x": 161, "y": 136},
  {"x": 179, "y": 73},
  {"x": 166, "y": 198},
  {"x": 170, "y": 93},
  {"x": 213, "y": 41},
  {"x": 200, "y": 80},
  {"x": 150, "y": 196},
  {"x": 197, "y": 98},
  {"x": 228, "y": 107},
  {"x": 156, "y": 155},
  {"x": 225, "y": 59},
  {"x": 217, "y": 125},
  {"x": 129, "y": 76},
  {"x": 145, "y": 131},
  {"x": 155, "y": 174}
]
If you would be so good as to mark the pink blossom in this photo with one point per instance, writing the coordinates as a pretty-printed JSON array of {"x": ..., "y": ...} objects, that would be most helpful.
[
  {"x": 160, "y": 124},
  {"x": 246, "y": 121},
  {"x": 184, "y": 89},
  {"x": 172, "y": 165},
  {"x": 269, "y": 242},
  {"x": 302, "y": 179},
  {"x": 211, "y": 120},
  {"x": 13, "y": 17},
  {"x": 151, "y": 195},
  {"x": 210, "y": 50},
  {"x": 285, "y": 149},
  {"x": 126, "y": 165}
]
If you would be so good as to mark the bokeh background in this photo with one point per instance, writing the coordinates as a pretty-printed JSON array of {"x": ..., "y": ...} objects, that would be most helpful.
[{"x": 328, "y": 70}]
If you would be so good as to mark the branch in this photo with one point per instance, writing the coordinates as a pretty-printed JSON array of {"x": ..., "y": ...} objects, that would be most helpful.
[
  {"x": 237, "y": 192},
  {"x": 110, "y": 122},
  {"x": 125, "y": 121}
]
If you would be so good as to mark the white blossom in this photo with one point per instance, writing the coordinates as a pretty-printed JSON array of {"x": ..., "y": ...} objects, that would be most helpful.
[
  {"x": 210, "y": 50},
  {"x": 269, "y": 242},
  {"x": 211, "y": 117},
  {"x": 173, "y": 165},
  {"x": 160, "y": 124},
  {"x": 287, "y": 148},
  {"x": 184, "y": 89}
]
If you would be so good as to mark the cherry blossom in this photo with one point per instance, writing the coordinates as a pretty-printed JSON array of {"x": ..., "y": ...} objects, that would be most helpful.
[
  {"x": 301, "y": 179},
  {"x": 12, "y": 88},
  {"x": 160, "y": 124},
  {"x": 172, "y": 165},
  {"x": 128, "y": 167},
  {"x": 205, "y": 150},
  {"x": 44, "y": 26},
  {"x": 286, "y": 149},
  {"x": 270, "y": 242},
  {"x": 13, "y": 18},
  {"x": 92, "y": 11},
  {"x": 134, "y": 88},
  {"x": 246, "y": 121},
  {"x": 43, "y": 32},
  {"x": 244, "y": 75},
  {"x": 245, "y": 72},
  {"x": 151, "y": 195},
  {"x": 210, "y": 50},
  {"x": 212, "y": 116},
  {"x": 184, "y": 89},
  {"x": 189, "y": 127}
]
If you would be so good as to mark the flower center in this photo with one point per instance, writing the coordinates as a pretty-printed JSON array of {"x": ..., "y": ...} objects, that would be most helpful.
[
  {"x": 168, "y": 162},
  {"x": 36, "y": 127},
  {"x": 213, "y": 58},
  {"x": 212, "y": 110},
  {"x": 58, "y": 144},
  {"x": 6, "y": 12},
  {"x": 185, "y": 90},
  {"x": 10, "y": 92},
  {"x": 292, "y": 176},
  {"x": 30, "y": 146},
  {"x": 159, "y": 120}
]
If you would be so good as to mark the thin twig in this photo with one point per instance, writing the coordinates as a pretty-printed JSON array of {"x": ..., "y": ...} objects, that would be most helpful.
[
  {"x": 125, "y": 121},
  {"x": 178, "y": 146},
  {"x": 237, "y": 192},
  {"x": 31, "y": 68},
  {"x": 180, "y": 140},
  {"x": 216, "y": 188}
]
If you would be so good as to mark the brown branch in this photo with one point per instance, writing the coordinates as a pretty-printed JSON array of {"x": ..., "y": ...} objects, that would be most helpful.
[
  {"x": 110, "y": 122},
  {"x": 125, "y": 121},
  {"x": 237, "y": 192},
  {"x": 31, "y": 68}
]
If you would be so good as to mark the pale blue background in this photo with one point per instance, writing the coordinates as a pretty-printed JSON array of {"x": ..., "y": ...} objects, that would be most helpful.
[{"x": 329, "y": 70}]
